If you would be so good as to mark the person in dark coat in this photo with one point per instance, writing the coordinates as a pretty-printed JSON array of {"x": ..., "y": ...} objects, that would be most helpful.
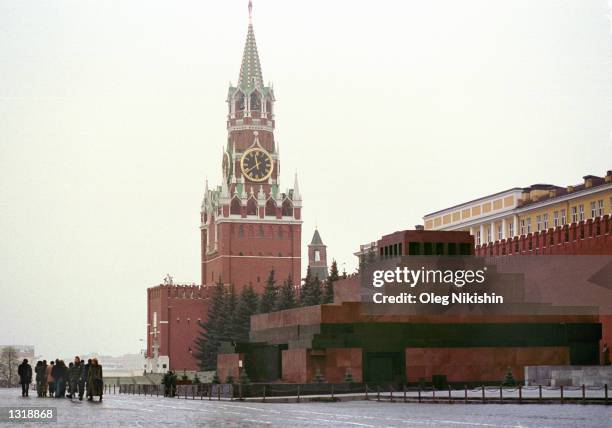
[
  {"x": 39, "y": 370},
  {"x": 95, "y": 380},
  {"x": 169, "y": 382},
  {"x": 59, "y": 374},
  {"x": 73, "y": 379},
  {"x": 25, "y": 377},
  {"x": 63, "y": 378},
  {"x": 82, "y": 379},
  {"x": 45, "y": 384}
]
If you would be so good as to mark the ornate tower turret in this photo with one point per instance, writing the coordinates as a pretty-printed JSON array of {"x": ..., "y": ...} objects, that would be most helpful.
[{"x": 249, "y": 226}]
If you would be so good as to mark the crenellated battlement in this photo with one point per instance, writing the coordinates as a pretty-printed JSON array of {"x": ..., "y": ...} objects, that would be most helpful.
[
  {"x": 177, "y": 291},
  {"x": 591, "y": 235}
]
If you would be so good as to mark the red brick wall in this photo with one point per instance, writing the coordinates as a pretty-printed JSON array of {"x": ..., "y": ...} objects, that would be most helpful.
[
  {"x": 590, "y": 237},
  {"x": 303, "y": 316},
  {"x": 296, "y": 366},
  {"x": 248, "y": 259},
  {"x": 479, "y": 364},
  {"x": 339, "y": 360},
  {"x": 178, "y": 310},
  {"x": 348, "y": 290},
  {"x": 229, "y": 364},
  {"x": 583, "y": 240}
]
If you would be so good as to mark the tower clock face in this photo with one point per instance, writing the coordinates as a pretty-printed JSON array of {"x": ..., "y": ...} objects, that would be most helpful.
[{"x": 256, "y": 164}]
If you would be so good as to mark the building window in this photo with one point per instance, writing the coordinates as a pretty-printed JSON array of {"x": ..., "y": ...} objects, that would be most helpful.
[
  {"x": 500, "y": 232},
  {"x": 581, "y": 212},
  {"x": 528, "y": 225},
  {"x": 563, "y": 217},
  {"x": 523, "y": 227},
  {"x": 478, "y": 237},
  {"x": 600, "y": 208},
  {"x": 545, "y": 221},
  {"x": 489, "y": 234},
  {"x": 317, "y": 256},
  {"x": 511, "y": 229},
  {"x": 574, "y": 214},
  {"x": 556, "y": 218},
  {"x": 539, "y": 223},
  {"x": 593, "y": 209}
]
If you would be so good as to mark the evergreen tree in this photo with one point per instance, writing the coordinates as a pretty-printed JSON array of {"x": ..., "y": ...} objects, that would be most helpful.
[
  {"x": 286, "y": 296},
  {"x": 328, "y": 295},
  {"x": 247, "y": 306},
  {"x": 313, "y": 292},
  {"x": 267, "y": 303},
  {"x": 306, "y": 289},
  {"x": 207, "y": 344},
  {"x": 229, "y": 328},
  {"x": 245, "y": 383},
  {"x": 316, "y": 292},
  {"x": 348, "y": 376},
  {"x": 509, "y": 379},
  {"x": 319, "y": 378}
]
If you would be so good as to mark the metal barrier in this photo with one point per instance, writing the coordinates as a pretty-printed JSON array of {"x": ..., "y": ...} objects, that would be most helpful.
[{"x": 308, "y": 392}]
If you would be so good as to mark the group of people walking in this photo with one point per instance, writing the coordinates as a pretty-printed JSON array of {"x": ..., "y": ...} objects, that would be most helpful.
[{"x": 57, "y": 380}]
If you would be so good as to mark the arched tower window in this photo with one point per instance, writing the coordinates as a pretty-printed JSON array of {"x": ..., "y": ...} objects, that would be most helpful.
[
  {"x": 255, "y": 101},
  {"x": 240, "y": 101},
  {"x": 287, "y": 208},
  {"x": 235, "y": 207},
  {"x": 271, "y": 208},
  {"x": 252, "y": 206},
  {"x": 317, "y": 255}
]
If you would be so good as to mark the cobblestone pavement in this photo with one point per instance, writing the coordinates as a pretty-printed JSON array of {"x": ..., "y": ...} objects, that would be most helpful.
[{"x": 139, "y": 411}]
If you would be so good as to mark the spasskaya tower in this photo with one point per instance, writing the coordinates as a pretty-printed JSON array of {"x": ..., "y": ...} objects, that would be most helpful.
[{"x": 249, "y": 226}]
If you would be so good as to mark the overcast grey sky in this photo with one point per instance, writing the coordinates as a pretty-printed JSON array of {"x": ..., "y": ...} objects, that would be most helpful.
[{"x": 112, "y": 114}]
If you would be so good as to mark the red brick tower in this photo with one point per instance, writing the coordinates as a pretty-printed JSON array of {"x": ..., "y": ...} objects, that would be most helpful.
[{"x": 248, "y": 225}]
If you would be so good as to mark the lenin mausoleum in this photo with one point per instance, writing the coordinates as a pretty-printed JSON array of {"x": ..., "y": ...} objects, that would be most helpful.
[{"x": 250, "y": 226}]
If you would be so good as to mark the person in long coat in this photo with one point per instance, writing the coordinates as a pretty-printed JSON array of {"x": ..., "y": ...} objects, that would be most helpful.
[
  {"x": 44, "y": 385},
  {"x": 25, "y": 377},
  {"x": 50, "y": 378},
  {"x": 95, "y": 381},
  {"x": 40, "y": 378}
]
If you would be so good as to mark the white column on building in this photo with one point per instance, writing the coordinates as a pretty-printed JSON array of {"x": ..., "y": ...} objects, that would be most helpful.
[
  {"x": 504, "y": 226},
  {"x": 482, "y": 235},
  {"x": 472, "y": 232},
  {"x": 493, "y": 235},
  {"x": 515, "y": 223}
]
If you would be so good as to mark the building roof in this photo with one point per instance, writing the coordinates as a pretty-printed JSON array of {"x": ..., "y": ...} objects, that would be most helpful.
[
  {"x": 473, "y": 201},
  {"x": 250, "y": 70},
  {"x": 316, "y": 238}
]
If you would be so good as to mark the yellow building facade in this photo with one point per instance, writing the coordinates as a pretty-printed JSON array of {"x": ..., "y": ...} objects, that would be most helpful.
[{"x": 520, "y": 211}]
